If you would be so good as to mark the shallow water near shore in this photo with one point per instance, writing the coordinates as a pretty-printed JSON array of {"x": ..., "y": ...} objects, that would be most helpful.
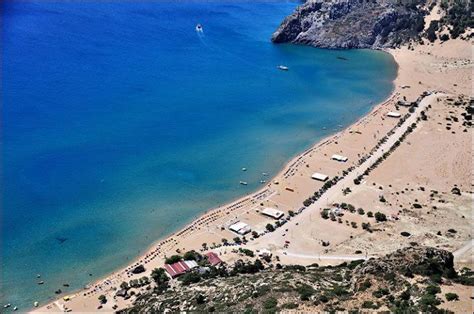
[{"x": 121, "y": 123}]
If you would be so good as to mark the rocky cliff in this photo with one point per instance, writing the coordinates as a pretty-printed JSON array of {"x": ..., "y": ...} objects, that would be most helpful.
[
  {"x": 406, "y": 281},
  {"x": 352, "y": 24}
]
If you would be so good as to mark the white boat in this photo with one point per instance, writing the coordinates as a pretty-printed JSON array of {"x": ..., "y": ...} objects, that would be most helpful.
[
  {"x": 263, "y": 181},
  {"x": 199, "y": 28},
  {"x": 244, "y": 169},
  {"x": 243, "y": 182},
  {"x": 283, "y": 68}
]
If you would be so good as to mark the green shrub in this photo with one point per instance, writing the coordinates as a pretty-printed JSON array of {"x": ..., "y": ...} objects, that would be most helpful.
[
  {"x": 247, "y": 252},
  {"x": 289, "y": 306},
  {"x": 305, "y": 291},
  {"x": 270, "y": 303},
  {"x": 192, "y": 255},
  {"x": 369, "y": 305},
  {"x": 190, "y": 278},
  {"x": 451, "y": 296},
  {"x": 433, "y": 290}
]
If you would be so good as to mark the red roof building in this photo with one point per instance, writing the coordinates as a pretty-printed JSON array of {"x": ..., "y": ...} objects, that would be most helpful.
[
  {"x": 213, "y": 258},
  {"x": 179, "y": 268}
]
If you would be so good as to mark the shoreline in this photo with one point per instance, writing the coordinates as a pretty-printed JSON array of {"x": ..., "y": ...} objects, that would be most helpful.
[
  {"x": 214, "y": 220},
  {"x": 286, "y": 167}
]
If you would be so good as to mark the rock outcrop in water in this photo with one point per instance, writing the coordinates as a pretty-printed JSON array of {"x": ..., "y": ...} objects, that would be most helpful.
[{"x": 352, "y": 24}]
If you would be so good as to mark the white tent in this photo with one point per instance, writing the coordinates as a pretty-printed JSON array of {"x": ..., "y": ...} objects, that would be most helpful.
[
  {"x": 393, "y": 114},
  {"x": 319, "y": 176},
  {"x": 240, "y": 228},
  {"x": 272, "y": 212},
  {"x": 339, "y": 158}
]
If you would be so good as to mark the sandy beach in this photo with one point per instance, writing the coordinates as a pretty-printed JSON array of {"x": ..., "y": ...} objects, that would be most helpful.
[{"x": 415, "y": 182}]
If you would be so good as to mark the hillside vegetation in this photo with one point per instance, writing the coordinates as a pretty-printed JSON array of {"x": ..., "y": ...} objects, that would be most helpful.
[{"x": 407, "y": 280}]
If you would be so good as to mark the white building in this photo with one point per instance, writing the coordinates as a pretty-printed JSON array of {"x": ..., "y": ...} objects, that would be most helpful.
[
  {"x": 240, "y": 228},
  {"x": 272, "y": 212},
  {"x": 264, "y": 252},
  {"x": 393, "y": 114},
  {"x": 319, "y": 176},
  {"x": 191, "y": 264},
  {"x": 339, "y": 158}
]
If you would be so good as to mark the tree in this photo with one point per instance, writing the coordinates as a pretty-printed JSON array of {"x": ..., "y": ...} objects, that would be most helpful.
[
  {"x": 431, "y": 31},
  {"x": 380, "y": 217},
  {"x": 451, "y": 296},
  {"x": 325, "y": 213},
  {"x": 190, "y": 278},
  {"x": 247, "y": 252},
  {"x": 433, "y": 289},
  {"x": 102, "y": 299},
  {"x": 255, "y": 234},
  {"x": 173, "y": 259},
  {"x": 237, "y": 240},
  {"x": 224, "y": 240},
  {"x": 291, "y": 213},
  {"x": 366, "y": 226},
  {"x": 270, "y": 227},
  {"x": 370, "y": 214},
  {"x": 160, "y": 278},
  {"x": 192, "y": 255},
  {"x": 360, "y": 211},
  {"x": 124, "y": 285}
]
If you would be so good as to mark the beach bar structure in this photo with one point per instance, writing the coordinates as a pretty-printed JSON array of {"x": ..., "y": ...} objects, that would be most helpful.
[
  {"x": 319, "y": 176},
  {"x": 393, "y": 114},
  {"x": 339, "y": 158},
  {"x": 240, "y": 228},
  {"x": 179, "y": 268},
  {"x": 272, "y": 212}
]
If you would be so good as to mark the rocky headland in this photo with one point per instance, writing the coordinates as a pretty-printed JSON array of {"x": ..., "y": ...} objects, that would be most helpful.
[{"x": 343, "y": 24}]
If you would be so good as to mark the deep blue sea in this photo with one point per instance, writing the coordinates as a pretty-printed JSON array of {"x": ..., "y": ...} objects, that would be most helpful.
[{"x": 120, "y": 123}]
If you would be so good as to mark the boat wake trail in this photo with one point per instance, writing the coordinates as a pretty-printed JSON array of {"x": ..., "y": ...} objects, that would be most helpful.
[{"x": 214, "y": 47}]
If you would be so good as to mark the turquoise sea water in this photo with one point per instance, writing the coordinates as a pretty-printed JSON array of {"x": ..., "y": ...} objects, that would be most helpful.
[{"x": 120, "y": 124}]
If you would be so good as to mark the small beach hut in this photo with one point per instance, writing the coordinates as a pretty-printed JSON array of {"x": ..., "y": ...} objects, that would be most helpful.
[
  {"x": 319, "y": 176},
  {"x": 393, "y": 114},
  {"x": 272, "y": 212},
  {"x": 339, "y": 158}
]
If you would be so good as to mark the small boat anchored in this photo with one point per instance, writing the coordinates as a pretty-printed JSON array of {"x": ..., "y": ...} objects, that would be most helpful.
[
  {"x": 199, "y": 28},
  {"x": 283, "y": 68},
  {"x": 243, "y": 182}
]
